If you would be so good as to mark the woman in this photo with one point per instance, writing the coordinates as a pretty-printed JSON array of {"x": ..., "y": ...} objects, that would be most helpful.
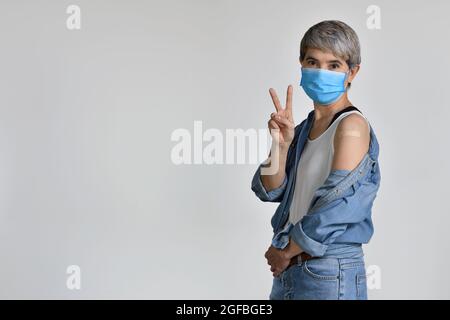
[{"x": 327, "y": 178}]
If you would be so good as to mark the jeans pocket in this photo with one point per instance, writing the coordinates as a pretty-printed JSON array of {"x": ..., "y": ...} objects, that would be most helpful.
[
  {"x": 321, "y": 269},
  {"x": 361, "y": 286}
]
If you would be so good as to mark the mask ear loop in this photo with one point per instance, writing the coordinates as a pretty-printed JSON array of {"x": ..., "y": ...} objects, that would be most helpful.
[{"x": 347, "y": 74}]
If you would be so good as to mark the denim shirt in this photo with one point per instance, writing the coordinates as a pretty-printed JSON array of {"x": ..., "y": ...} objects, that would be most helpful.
[{"x": 339, "y": 219}]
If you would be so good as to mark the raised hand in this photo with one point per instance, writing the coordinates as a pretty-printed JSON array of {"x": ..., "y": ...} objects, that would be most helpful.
[{"x": 282, "y": 119}]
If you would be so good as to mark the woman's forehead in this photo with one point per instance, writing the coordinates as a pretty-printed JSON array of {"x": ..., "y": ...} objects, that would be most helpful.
[{"x": 323, "y": 55}]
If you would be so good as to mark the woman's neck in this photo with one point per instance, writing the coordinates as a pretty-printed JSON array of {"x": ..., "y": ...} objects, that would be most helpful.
[{"x": 325, "y": 112}]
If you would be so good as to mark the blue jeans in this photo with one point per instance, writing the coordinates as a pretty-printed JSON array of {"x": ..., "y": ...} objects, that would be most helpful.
[{"x": 326, "y": 278}]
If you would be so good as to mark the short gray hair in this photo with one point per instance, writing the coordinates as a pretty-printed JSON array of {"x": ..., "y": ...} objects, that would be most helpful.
[{"x": 334, "y": 36}]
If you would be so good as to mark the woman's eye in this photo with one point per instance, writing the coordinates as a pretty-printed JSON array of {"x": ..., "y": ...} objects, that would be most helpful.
[
  {"x": 334, "y": 66},
  {"x": 311, "y": 63}
]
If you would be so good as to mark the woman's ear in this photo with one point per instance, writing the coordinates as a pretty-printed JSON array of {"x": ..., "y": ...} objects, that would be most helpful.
[{"x": 353, "y": 71}]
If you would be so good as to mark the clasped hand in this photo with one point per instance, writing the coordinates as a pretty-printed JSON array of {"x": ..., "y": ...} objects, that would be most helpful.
[{"x": 278, "y": 260}]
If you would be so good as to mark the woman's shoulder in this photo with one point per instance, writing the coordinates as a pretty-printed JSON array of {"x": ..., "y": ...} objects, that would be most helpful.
[{"x": 353, "y": 123}]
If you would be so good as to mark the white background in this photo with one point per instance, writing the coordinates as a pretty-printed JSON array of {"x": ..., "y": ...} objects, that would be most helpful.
[{"x": 86, "y": 116}]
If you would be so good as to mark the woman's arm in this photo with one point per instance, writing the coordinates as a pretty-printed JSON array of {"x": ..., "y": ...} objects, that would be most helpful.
[
  {"x": 282, "y": 129},
  {"x": 269, "y": 181},
  {"x": 274, "y": 181}
]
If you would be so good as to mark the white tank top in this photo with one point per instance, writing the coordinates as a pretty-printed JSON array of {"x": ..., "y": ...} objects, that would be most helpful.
[{"x": 313, "y": 168}]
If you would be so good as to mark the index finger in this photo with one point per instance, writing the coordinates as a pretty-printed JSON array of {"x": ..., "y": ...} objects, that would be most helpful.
[{"x": 275, "y": 100}]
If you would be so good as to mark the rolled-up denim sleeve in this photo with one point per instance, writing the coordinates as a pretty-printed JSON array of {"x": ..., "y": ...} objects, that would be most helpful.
[
  {"x": 317, "y": 230},
  {"x": 274, "y": 195}
]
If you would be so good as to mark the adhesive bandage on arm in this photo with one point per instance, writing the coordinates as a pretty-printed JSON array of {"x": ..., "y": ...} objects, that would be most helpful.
[{"x": 350, "y": 133}]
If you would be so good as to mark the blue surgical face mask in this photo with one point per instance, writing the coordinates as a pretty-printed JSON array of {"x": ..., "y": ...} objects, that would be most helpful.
[{"x": 323, "y": 86}]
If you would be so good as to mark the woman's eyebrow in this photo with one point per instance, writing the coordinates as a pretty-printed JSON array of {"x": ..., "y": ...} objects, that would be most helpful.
[
  {"x": 308, "y": 57},
  {"x": 335, "y": 61}
]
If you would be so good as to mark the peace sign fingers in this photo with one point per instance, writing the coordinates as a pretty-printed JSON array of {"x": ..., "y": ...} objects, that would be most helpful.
[{"x": 275, "y": 100}]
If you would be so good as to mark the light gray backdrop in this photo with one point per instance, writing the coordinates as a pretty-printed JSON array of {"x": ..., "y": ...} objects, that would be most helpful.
[{"x": 86, "y": 116}]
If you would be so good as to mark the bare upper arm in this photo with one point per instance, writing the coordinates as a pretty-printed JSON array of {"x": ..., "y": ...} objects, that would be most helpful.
[{"x": 351, "y": 142}]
